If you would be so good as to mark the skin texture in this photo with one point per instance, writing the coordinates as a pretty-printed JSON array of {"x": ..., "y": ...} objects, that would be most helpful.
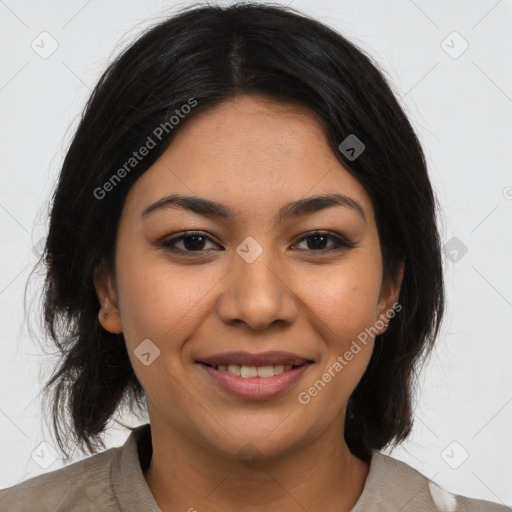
[{"x": 254, "y": 155}]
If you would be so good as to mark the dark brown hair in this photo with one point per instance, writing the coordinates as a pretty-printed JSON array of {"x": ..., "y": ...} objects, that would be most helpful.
[{"x": 211, "y": 53}]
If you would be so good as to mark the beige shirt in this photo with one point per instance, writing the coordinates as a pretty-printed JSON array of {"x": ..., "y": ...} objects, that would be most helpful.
[{"x": 113, "y": 480}]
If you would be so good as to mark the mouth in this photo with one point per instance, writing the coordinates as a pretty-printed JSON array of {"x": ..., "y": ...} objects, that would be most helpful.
[
  {"x": 262, "y": 359},
  {"x": 235, "y": 374},
  {"x": 248, "y": 372}
]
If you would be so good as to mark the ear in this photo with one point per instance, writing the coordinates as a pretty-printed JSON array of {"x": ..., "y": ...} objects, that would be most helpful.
[
  {"x": 389, "y": 293},
  {"x": 108, "y": 315}
]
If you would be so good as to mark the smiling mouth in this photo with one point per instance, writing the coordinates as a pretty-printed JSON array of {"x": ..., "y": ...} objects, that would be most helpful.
[
  {"x": 248, "y": 372},
  {"x": 255, "y": 382}
]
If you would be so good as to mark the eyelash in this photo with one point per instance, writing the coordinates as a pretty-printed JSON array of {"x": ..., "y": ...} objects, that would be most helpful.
[{"x": 340, "y": 243}]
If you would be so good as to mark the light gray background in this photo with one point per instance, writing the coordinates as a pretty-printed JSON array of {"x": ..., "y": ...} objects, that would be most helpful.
[{"x": 461, "y": 106}]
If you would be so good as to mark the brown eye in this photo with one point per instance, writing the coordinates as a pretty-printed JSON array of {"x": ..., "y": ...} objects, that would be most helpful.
[
  {"x": 191, "y": 242},
  {"x": 316, "y": 242}
]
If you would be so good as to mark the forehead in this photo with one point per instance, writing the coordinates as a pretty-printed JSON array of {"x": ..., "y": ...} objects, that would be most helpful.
[
  {"x": 255, "y": 129},
  {"x": 248, "y": 150}
]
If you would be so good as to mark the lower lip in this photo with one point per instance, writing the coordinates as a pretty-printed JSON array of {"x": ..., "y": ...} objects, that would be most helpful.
[{"x": 255, "y": 388}]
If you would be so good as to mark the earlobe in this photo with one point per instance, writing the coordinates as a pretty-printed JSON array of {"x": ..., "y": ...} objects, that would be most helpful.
[
  {"x": 393, "y": 286},
  {"x": 109, "y": 322},
  {"x": 390, "y": 293},
  {"x": 108, "y": 315}
]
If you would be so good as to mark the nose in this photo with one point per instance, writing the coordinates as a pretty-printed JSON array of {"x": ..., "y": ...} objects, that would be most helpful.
[{"x": 258, "y": 293}]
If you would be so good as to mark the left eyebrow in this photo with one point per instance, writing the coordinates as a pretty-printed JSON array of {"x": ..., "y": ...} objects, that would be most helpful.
[
  {"x": 314, "y": 204},
  {"x": 292, "y": 209}
]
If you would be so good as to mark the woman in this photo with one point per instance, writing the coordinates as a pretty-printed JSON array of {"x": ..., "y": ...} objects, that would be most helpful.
[{"x": 243, "y": 243}]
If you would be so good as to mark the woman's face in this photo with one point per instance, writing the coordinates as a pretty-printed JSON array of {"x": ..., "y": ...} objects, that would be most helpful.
[{"x": 254, "y": 282}]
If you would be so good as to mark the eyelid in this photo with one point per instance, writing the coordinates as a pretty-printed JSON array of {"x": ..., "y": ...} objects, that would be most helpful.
[
  {"x": 176, "y": 237},
  {"x": 341, "y": 242}
]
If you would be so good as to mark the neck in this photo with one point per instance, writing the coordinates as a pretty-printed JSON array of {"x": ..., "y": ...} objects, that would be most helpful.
[{"x": 322, "y": 475}]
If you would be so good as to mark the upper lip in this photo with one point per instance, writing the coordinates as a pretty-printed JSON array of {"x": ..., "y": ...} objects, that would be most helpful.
[{"x": 270, "y": 358}]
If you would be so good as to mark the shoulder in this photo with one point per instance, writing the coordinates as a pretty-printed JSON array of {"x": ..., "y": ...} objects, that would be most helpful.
[
  {"x": 394, "y": 485},
  {"x": 84, "y": 485}
]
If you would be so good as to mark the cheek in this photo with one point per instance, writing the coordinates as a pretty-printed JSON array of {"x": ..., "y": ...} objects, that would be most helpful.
[
  {"x": 342, "y": 310},
  {"x": 160, "y": 303},
  {"x": 164, "y": 307},
  {"x": 346, "y": 301}
]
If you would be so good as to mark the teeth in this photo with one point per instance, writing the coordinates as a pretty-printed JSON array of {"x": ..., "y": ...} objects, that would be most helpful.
[
  {"x": 234, "y": 369},
  {"x": 248, "y": 371},
  {"x": 254, "y": 371},
  {"x": 268, "y": 371}
]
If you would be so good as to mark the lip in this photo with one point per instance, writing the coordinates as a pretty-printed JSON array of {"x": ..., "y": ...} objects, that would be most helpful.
[
  {"x": 255, "y": 388},
  {"x": 242, "y": 358}
]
